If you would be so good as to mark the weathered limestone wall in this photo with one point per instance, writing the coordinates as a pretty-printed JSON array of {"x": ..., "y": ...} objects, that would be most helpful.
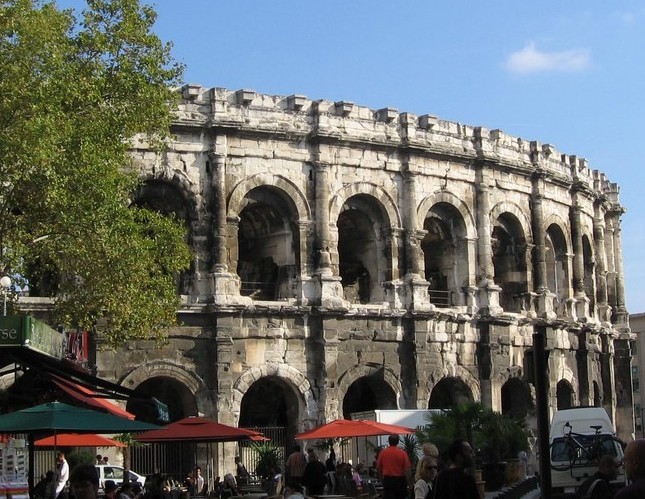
[{"x": 303, "y": 193}]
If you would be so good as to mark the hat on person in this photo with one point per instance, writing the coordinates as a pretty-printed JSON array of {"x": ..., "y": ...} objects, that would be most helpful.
[{"x": 110, "y": 485}]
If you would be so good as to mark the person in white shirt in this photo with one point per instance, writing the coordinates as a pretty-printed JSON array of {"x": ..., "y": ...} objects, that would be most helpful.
[
  {"x": 199, "y": 481},
  {"x": 62, "y": 472}
]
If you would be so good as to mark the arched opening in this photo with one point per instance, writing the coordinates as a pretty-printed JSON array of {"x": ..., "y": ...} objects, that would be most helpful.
[
  {"x": 367, "y": 394},
  {"x": 516, "y": 399},
  {"x": 564, "y": 395},
  {"x": 449, "y": 392},
  {"x": 272, "y": 406},
  {"x": 173, "y": 458},
  {"x": 361, "y": 251},
  {"x": 179, "y": 399},
  {"x": 268, "y": 246},
  {"x": 557, "y": 263},
  {"x": 167, "y": 199},
  {"x": 445, "y": 254},
  {"x": 509, "y": 263},
  {"x": 589, "y": 272}
]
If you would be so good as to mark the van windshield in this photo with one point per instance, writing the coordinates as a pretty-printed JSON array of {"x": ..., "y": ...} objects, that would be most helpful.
[{"x": 596, "y": 445}]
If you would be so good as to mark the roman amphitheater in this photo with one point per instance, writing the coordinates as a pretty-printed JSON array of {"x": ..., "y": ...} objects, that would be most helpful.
[{"x": 349, "y": 259}]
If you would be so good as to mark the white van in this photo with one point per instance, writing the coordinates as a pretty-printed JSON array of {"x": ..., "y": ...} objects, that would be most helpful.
[
  {"x": 579, "y": 437},
  {"x": 115, "y": 473}
]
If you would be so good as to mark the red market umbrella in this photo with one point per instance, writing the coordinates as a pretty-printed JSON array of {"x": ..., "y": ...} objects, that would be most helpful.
[
  {"x": 353, "y": 428},
  {"x": 77, "y": 440},
  {"x": 197, "y": 429}
]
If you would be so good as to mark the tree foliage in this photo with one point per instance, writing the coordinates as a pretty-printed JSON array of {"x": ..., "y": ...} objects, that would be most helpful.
[
  {"x": 75, "y": 95},
  {"x": 494, "y": 436}
]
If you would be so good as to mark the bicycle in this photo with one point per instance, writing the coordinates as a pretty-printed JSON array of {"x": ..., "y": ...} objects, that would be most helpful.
[{"x": 578, "y": 449}]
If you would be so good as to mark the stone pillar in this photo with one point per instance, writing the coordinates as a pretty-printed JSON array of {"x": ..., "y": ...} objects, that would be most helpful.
[
  {"x": 604, "y": 310},
  {"x": 579, "y": 295},
  {"x": 544, "y": 297},
  {"x": 488, "y": 290},
  {"x": 623, "y": 382},
  {"x": 607, "y": 372},
  {"x": 218, "y": 183},
  {"x": 621, "y": 317},
  {"x": 331, "y": 290},
  {"x": 225, "y": 284},
  {"x": 416, "y": 286},
  {"x": 609, "y": 259}
]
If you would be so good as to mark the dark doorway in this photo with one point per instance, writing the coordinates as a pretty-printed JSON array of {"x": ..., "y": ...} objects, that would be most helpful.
[
  {"x": 449, "y": 392},
  {"x": 367, "y": 394}
]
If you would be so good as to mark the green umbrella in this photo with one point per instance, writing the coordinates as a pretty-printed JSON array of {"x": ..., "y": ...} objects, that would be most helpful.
[{"x": 55, "y": 417}]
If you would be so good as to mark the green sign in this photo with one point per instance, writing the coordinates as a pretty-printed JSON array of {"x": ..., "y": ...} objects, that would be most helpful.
[{"x": 27, "y": 331}]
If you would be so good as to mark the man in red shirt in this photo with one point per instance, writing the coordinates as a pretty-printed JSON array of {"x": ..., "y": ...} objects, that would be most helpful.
[{"x": 395, "y": 469}]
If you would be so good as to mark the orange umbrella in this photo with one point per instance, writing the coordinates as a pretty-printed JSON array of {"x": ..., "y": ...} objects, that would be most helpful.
[
  {"x": 77, "y": 440},
  {"x": 353, "y": 428}
]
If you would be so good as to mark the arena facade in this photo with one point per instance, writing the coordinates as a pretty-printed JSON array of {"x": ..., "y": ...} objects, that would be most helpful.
[{"x": 349, "y": 259}]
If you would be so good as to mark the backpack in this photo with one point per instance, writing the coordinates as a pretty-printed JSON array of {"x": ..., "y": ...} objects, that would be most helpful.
[{"x": 589, "y": 492}]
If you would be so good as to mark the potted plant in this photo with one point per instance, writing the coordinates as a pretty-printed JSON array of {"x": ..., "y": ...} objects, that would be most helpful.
[
  {"x": 269, "y": 462},
  {"x": 500, "y": 440}
]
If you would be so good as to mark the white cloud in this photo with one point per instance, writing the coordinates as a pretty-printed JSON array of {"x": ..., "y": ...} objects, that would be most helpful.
[{"x": 532, "y": 60}]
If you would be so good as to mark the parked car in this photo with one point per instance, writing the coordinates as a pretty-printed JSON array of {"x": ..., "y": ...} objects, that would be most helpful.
[{"x": 113, "y": 472}]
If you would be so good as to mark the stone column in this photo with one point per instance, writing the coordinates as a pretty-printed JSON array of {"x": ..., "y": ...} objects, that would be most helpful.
[
  {"x": 416, "y": 286},
  {"x": 579, "y": 295},
  {"x": 488, "y": 290},
  {"x": 218, "y": 183},
  {"x": 331, "y": 290},
  {"x": 225, "y": 284},
  {"x": 544, "y": 296},
  {"x": 604, "y": 310},
  {"x": 610, "y": 263},
  {"x": 622, "y": 317}
]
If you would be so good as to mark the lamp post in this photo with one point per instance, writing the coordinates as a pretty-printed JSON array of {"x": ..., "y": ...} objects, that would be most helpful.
[{"x": 5, "y": 283}]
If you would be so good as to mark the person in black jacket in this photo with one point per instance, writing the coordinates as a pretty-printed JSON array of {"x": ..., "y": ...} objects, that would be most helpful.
[
  {"x": 454, "y": 482},
  {"x": 598, "y": 485},
  {"x": 315, "y": 475}
]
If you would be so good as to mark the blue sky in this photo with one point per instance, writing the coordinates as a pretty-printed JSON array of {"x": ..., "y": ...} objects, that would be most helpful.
[{"x": 570, "y": 73}]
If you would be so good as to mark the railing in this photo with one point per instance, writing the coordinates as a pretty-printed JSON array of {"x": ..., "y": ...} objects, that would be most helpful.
[{"x": 440, "y": 298}]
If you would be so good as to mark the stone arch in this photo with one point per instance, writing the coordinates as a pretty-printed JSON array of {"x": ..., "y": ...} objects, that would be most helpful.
[
  {"x": 452, "y": 199},
  {"x": 512, "y": 208},
  {"x": 564, "y": 394},
  {"x": 384, "y": 199},
  {"x": 179, "y": 180},
  {"x": 357, "y": 372},
  {"x": 267, "y": 218},
  {"x": 452, "y": 371},
  {"x": 170, "y": 193},
  {"x": 566, "y": 379},
  {"x": 511, "y": 257},
  {"x": 288, "y": 188},
  {"x": 294, "y": 378},
  {"x": 448, "y": 259},
  {"x": 163, "y": 368},
  {"x": 365, "y": 253},
  {"x": 563, "y": 225},
  {"x": 516, "y": 398},
  {"x": 174, "y": 385},
  {"x": 557, "y": 246}
]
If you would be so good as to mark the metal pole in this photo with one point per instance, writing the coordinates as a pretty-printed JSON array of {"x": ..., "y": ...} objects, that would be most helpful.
[{"x": 542, "y": 403}]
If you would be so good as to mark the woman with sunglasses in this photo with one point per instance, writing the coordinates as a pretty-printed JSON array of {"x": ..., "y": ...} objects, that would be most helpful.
[{"x": 426, "y": 472}]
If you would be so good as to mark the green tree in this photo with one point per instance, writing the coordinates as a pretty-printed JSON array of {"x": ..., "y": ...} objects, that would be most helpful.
[{"x": 77, "y": 94}]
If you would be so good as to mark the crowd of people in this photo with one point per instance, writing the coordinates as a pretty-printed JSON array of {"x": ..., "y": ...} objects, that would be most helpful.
[{"x": 306, "y": 472}]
